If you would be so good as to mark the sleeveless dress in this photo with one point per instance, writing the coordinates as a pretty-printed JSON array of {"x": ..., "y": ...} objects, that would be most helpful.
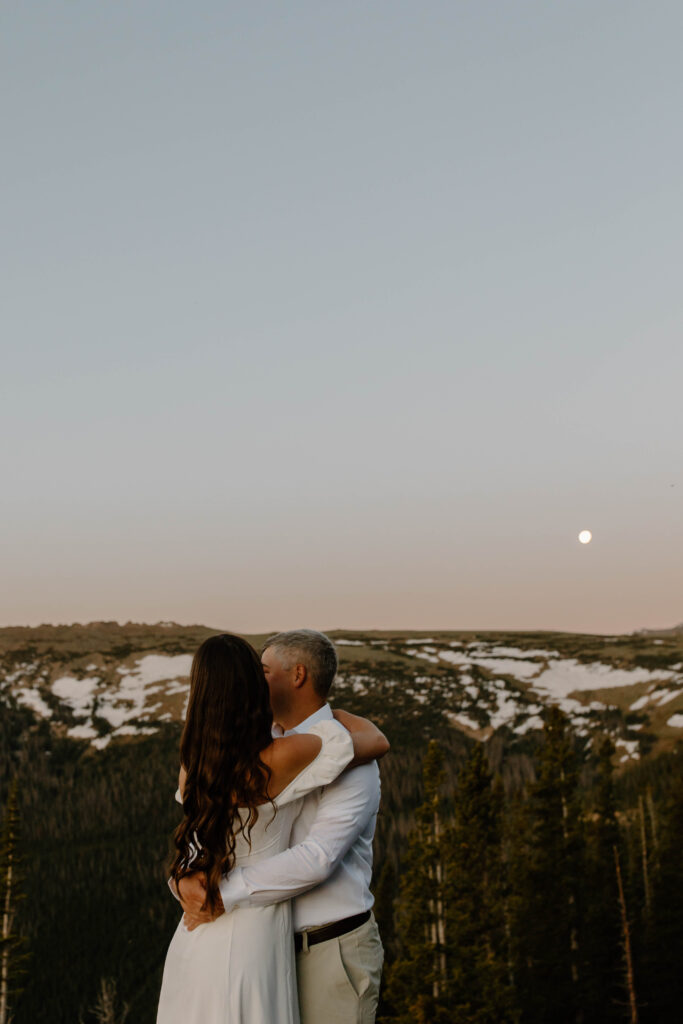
[{"x": 240, "y": 968}]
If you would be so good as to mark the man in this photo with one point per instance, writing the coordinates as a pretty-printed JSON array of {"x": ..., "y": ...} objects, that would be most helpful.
[{"x": 327, "y": 871}]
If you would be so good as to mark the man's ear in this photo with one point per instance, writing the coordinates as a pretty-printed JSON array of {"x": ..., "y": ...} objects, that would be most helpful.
[{"x": 300, "y": 676}]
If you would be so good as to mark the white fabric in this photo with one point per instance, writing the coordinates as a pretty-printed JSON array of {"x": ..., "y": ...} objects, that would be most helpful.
[
  {"x": 240, "y": 968},
  {"x": 333, "y": 852}
]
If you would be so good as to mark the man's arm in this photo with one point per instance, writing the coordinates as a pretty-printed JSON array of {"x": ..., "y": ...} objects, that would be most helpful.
[{"x": 344, "y": 810}]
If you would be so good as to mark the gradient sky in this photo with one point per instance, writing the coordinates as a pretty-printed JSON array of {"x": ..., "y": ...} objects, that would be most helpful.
[{"x": 342, "y": 314}]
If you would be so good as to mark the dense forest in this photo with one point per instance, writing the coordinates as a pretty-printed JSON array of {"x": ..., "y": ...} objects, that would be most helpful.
[
  {"x": 510, "y": 887},
  {"x": 558, "y": 899}
]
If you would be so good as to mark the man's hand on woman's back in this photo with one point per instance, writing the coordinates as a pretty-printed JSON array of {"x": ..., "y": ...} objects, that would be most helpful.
[{"x": 192, "y": 895}]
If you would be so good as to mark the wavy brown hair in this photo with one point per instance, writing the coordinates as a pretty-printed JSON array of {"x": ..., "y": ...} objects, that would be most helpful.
[{"x": 228, "y": 724}]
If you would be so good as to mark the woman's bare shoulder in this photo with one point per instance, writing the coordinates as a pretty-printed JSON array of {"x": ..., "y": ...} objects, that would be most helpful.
[{"x": 289, "y": 755}]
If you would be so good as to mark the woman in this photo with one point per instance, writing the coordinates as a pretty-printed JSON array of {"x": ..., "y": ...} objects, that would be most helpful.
[{"x": 241, "y": 792}]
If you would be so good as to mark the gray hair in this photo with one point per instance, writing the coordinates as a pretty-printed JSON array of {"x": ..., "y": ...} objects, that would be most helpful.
[{"x": 312, "y": 649}]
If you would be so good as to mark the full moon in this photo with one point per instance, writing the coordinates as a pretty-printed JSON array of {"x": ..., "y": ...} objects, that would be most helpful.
[{"x": 585, "y": 536}]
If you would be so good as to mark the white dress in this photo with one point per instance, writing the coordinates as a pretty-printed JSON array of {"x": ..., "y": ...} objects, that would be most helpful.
[{"x": 240, "y": 968}]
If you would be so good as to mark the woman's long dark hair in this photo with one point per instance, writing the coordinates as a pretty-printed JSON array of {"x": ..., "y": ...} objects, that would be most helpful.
[{"x": 228, "y": 724}]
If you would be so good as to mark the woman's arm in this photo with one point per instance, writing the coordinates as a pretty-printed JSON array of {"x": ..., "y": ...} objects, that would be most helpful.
[{"x": 369, "y": 742}]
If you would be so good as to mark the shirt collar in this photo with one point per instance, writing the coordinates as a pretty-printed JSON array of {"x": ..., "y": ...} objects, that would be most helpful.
[{"x": 321, "y": 715}]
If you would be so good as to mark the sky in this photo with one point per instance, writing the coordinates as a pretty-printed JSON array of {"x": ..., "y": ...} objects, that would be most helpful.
[{"x": 342, "y": 315}]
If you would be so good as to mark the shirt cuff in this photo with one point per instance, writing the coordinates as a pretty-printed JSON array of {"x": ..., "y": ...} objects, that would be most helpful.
[{"x": 233, "y": 890}]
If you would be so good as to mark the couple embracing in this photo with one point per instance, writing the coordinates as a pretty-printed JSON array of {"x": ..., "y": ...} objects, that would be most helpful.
[{"x": 274, "y": 854}]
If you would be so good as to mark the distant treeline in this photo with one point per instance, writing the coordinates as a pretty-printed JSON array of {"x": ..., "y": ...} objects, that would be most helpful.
[{"x": 530, "y": 888}]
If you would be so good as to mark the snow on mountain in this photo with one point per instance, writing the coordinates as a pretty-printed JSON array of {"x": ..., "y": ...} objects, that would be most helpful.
[
  {"x": 122, "y": 700},
  {"x": 479, "y": 685}
]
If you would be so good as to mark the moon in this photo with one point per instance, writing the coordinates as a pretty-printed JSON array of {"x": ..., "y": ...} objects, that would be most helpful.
[{"x": 585, "y": 536}]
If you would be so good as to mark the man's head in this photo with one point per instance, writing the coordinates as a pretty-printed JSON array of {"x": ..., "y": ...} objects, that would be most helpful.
[{"x": 300, "y": 667}]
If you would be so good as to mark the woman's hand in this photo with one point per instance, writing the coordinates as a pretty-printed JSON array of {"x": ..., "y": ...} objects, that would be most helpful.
[{"x": 369, "y": 742}]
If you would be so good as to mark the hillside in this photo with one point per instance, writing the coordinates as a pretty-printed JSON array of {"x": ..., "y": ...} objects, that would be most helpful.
[
  {"x": 104, "y": 682},
  {"x": 89, "y": 729}
]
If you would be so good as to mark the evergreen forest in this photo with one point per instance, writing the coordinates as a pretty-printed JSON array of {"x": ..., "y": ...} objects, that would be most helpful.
[{"x": 510, "y": 887}]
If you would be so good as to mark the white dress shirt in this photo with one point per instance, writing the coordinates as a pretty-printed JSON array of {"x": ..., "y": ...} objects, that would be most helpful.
[{"x": 329, "y": 866}]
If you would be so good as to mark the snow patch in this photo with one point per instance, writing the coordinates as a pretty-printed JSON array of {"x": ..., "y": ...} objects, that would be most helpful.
[
  {"x": 571, "y": 676},
  {"x": 31, "y": 699},
  {"x": 424, "y": 656},
  {"x": 507, "y": 710},
  {"x": 460, "y": 718},
  {"x": 664, "y": 696},
  {"x": 116, "y": 714},
  {"x": 498, "y": 666},
  {"x": 77, "y": 693},
  {"x": 82, "y": 732},
  {"x": 532, "y": 722},
  {"x": 155, "y": 668},
  {"x": 132, "y": 730},
  {"x": 630, "y": 748},
  {"x": 177, "y": 687}
]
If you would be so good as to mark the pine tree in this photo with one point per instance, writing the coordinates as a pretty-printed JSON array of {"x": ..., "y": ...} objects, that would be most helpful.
[
  {"x": 385, "y": 896},
  {"x": 601, "y": 931},
  {"x": 416, "y": 983},
  {"x": 547, "y": 874},
  {"x": 662, "y": 987},
  {"x": 479, "y": 989},
  {"x": 386, "y": 892},
  {"x": 626, "y": 945},
  {"x": 105, "y": 1010},
  {"x": 12, "y": 955}
]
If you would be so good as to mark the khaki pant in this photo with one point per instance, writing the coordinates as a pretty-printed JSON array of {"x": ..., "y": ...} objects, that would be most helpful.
[{"x": 339, "y": 979}]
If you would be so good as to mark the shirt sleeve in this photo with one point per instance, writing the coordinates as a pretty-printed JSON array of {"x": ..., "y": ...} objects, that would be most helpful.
[
  {"x": 344, "y": 810},
  {"x": 335, "y": 754}
]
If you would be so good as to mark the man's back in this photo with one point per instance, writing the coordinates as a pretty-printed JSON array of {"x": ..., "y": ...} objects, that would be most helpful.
[
  {"x": 338, "y": 978},
  {"x": 342, "y": 817}
]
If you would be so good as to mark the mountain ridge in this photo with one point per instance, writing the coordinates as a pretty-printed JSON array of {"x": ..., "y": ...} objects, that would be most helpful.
[{"x": 104, "y": 681}]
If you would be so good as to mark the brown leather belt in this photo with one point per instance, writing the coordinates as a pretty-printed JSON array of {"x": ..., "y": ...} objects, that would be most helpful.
[{"x": 330, "y": 931}]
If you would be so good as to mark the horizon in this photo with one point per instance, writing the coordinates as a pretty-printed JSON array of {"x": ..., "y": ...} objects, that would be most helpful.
[{"x": 165, "y": 623}]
